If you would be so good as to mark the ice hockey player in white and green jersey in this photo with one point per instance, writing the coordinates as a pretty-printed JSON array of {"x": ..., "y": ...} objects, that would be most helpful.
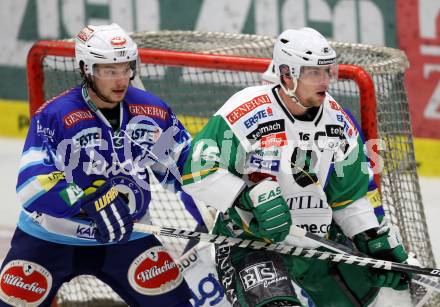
[{"x": 283, "y": 154}]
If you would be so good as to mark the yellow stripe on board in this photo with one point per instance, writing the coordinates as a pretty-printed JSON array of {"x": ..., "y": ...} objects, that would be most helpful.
[
  {"x": 427, "y": 152},
  {"x": 14, "y": 118},
  {"x": 192, "y": 123},
  {"x": 14, "y": 122}
]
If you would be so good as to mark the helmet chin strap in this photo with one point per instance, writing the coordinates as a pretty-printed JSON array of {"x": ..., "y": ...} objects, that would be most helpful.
[{"x": 292, "y": 95}]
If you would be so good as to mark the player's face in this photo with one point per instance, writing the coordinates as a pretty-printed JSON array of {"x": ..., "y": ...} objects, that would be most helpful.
[
  {"x": 312, "y": 85},
  {"x": 112, "y": 80}
]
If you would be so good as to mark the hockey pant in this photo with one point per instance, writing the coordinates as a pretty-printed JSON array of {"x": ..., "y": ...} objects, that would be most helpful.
[
  {"x": 140, "y": 271},
  {"x": 261, "y": 278}
]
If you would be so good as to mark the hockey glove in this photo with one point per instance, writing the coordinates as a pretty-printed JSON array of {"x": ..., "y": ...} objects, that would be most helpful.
[
  {"x": 385, "y": 243},
  {"x": 110, "y": 213},
  {"x": 271, "y": 215}
]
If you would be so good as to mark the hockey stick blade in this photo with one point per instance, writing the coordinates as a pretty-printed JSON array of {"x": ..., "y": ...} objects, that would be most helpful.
[
  {"x": 340, "y": 248},
  {"x": 286, "y": 249}
]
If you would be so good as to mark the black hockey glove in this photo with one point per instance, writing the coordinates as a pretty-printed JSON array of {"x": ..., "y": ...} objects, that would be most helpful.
[
  {"x": 385, "y": 243},
  {"x": 110, "y": 213}
]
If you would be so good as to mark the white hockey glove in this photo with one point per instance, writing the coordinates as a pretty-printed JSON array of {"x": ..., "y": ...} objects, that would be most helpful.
[{"x": 271, "y": 215}]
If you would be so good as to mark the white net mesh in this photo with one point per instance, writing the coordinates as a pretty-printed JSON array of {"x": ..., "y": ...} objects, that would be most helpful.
[{"x": 196, "y": 93}]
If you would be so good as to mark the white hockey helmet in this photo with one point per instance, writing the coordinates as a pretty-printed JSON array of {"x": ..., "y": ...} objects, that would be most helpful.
[
  {"x": 306, "y": 47},
  {"x": 104, "y": 45},
  {"x": 269, "y": 76}
]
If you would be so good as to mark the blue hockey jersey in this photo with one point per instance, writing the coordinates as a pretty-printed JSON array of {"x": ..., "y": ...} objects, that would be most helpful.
[{"x": 70, "y": 146}]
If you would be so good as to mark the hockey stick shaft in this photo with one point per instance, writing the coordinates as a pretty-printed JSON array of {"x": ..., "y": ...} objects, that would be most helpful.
[
  {"x": 285, "y": 249},
  {"x": 340, "y": 248}
]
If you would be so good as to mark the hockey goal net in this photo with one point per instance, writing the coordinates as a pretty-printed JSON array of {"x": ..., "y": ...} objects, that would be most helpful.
[{"x": 196, "y": 72}]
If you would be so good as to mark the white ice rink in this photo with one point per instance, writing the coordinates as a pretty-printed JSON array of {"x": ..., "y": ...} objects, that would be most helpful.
[{"x": 10, "y": 150}]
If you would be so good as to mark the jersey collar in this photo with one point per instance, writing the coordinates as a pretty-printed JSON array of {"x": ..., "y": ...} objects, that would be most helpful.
[
  {"x": 280, "y": 102},
  {"x": 91, "y": 105}
]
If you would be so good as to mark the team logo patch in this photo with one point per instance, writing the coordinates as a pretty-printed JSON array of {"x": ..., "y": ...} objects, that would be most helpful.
[
  {"x": 148, "y": 110},
  {"x": 334, "y": 105},
  {"x": 24, "y": 283},
  {"x": 267, "y": 128},
  {"x": 349, "y": 127},
  {"x": 334, "y": 131},
  {"x": 246, "y": 107},
  {"x": 144, "y": 135},
  {"x": 326, "y": 61},
  {"x": 274, "y": 140},
  {"x": 254, "y": 119},
  {"x": 263, "y": 273},
  {"x": 154, "y": 272},
  {"x": 45, "y": 131},
  {"x": 85, "y": 34},
  {"x": 76, "y": 116},
  {"x": 134, "y": 195},
  {"x": 89, "y": 137},
  {"x": 257, "y": 164},
  {"x": 118, "y": 41}
]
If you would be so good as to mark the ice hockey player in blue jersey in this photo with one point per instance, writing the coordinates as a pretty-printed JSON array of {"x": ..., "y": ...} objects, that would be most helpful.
[{"x": 83, "y": 182}]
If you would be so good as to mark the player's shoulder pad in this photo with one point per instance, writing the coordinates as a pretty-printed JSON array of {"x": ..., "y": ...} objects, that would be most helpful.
[
  {"x": 62, "y": 103},
  {"x": 63, "y": 111},
  {"x": 340, "y": 117},
  {"x": 245, "y": 104},
  {"x": 140, "y": 102},
  {"x": 246, "y": 110}
]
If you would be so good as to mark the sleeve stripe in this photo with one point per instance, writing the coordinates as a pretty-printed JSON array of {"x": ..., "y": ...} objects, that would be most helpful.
[
  {"x": 340, "y": 204},
  {"x": 199, "y": 174},
  {"x": 29, "y": 165},
  {"x": 25, "y": 184},
  {"x": 29, "y": 191},
  {"x": 33, "y": 156}
]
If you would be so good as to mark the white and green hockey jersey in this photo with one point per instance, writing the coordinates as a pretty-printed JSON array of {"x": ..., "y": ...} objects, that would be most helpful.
[{"x": 319, "y": 163}]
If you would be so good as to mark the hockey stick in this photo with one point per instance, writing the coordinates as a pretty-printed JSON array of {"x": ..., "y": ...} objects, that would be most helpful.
[
  {"x": 286, "y": 249},
  {"x": 340, "y": 248}
]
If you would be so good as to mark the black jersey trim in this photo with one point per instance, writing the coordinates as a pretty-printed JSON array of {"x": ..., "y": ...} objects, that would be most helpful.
[
  {"x": 286, "y": 111},
  {"x": 319, "y": 117},
  {"x": 283, "y": 107}
]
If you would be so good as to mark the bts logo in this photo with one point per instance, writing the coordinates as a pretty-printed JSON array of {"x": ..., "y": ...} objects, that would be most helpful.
[{"x": 258, "y": 274}]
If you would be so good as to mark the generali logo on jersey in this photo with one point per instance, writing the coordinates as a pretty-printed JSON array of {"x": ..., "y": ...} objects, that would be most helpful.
[
  {"x": 148, "y": 110},
  {"x": 24, "y": 283},
  {"x": 76, "y": 116},
  {"x": 246, "y": 107},
  {"x": 154, "y": 272}
]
